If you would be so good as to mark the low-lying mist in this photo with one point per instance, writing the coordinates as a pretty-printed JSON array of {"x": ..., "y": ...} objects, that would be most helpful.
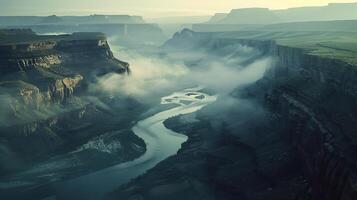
[
  {"x": 154, "y": 75},
  {"x": 149, "y": 77},
  {"x": 221, "y": 70},
  {"x": 157, "y": 74}
]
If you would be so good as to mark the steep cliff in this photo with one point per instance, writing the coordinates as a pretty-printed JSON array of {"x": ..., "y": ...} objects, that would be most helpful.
[
  {"x": 51, "y": 69},
  {"x": 302, "y": 147},
  {"x": 314, "y": 99},
  {"x": 45, "y": 105}
]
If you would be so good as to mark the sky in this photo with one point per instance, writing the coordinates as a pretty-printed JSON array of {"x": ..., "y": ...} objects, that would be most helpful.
[{"x": 146, "y": 8}]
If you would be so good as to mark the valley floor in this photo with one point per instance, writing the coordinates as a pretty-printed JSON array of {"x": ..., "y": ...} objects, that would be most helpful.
[{"x": 216, "y": 163}]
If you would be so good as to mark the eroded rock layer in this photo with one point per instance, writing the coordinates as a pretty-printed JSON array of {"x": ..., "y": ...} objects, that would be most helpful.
[
  {"x": 302, "y": 146},
  {"x": 45, "y": 105}
]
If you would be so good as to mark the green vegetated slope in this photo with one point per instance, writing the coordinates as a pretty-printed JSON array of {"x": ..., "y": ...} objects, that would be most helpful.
[
  {"x": 335, "y": 40},
  {"x": 335, "y": 26}
]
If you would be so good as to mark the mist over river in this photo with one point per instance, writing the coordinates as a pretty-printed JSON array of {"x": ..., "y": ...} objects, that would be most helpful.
[
  {"x": 141, "y": 100},
  {"x": 161, "y": 143},
  {"x": 154, "y": 74}
]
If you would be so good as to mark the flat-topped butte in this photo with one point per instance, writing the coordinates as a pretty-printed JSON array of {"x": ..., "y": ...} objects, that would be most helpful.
[{"x": 25, "y": 36}]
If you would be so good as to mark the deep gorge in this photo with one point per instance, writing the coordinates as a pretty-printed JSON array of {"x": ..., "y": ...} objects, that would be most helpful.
[{"x": 313, "y": 134}]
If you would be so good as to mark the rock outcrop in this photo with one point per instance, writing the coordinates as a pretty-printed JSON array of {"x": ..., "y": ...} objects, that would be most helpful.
[
  {"x": 42, "y": 81},
  {"x": 55, "y": 66},
  {"x": 314, "y": 99},
  {"x": 304, "y": 149}
]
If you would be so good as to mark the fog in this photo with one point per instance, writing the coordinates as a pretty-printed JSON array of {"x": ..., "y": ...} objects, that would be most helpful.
[
  {"x": 153, "y": 76},
  {"x": 157, "y": 73},
  {"x": 149, "y": 77},
  {"x": 222, "y": 70}
]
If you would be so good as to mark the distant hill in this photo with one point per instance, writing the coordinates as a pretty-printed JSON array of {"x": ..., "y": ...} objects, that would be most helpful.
[
  {"x": 311, "y": 26},
  {"x": 333, "y": 11},
  {"x": 53, "y": 19},
  {"x": 178, "y": 19},
  {"x": 250, "y": 16},
  {"x": 92, "y": 19},
  {"x": 218, "y": 17}
]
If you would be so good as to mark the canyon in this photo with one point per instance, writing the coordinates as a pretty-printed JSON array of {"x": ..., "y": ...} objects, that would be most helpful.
[
  {"x": 48, "y": 109},
  {"x": 294, "y": 142},
  {"x": 285, "y": 133}
]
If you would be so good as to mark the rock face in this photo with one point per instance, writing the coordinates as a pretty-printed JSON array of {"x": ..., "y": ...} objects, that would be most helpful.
[
  {"x": 65, "y": 52},
  {"x": 302, "y": 147},
  {"x": 57, "y": 66},
  {"x": 314, "y": 98},
  {"x": 42, "y": 83}
]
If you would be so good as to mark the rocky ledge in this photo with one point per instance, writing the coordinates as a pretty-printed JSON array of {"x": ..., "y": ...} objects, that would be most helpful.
[{"x": 46, "y": 108}]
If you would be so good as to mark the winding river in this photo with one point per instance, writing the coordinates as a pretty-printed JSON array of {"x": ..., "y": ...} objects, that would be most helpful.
[{"x": 161, "y": 143}]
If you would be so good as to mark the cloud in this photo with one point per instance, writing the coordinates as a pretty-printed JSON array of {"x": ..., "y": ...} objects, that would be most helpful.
[
  {"x": 224, "y": 78},
  {"x": 154, "y": 76},
  {"x": 150, "y": 77}
]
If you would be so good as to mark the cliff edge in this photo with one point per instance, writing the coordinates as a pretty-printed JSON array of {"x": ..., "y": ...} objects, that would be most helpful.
[{"x": 46, "y": 107}]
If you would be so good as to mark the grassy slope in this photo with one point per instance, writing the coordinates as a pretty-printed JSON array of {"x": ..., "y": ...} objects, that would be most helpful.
[{"x": 335, "y": 39}]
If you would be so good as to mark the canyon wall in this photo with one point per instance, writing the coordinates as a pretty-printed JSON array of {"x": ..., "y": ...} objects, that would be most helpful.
[
  {"x": 42, "y": 83},
  {"x": 314, "y": 100}
]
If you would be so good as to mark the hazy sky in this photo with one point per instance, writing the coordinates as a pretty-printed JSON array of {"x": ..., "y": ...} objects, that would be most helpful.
[{"x": 149, "y": 8}]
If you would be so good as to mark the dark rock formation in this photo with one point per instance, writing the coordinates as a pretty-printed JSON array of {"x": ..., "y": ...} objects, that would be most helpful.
[
  {"x": 302, "y": 147},
  {"x": 35, "y": 74},
  {"x": 45, "y": 107},
  {"x": 315, "y": 98}
]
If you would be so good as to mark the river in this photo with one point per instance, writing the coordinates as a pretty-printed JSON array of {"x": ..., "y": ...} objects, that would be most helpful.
[{"x": 161, "y": 143}]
